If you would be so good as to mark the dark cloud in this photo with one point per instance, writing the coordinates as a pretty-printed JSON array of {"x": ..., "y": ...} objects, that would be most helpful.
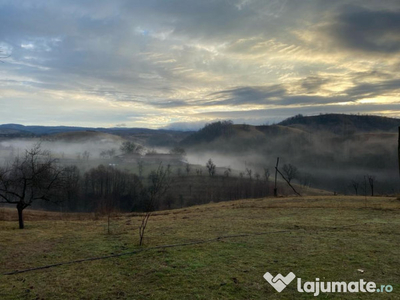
[
  {"x": 247, "y": 95},
  {"x": 369, "y": 90},
  {"x": 166, "y": 103},
  {"x": 313, "y": 84},
  {"x": 361, "y": 29},
  {"x": 272, "y": 95},
  {"x": 279, "y": 95},
  {"x": 273, "y": 115}
]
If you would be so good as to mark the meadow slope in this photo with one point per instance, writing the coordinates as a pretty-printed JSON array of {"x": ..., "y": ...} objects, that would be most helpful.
[{"x": 330, "y": 237}]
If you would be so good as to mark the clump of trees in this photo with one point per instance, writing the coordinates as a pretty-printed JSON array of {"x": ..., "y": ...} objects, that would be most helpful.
[
  {"x": 38, "y": 177},
  {"x": 107, "y": 183},
  {"x": 228, "y": 172},
  {"x": 363, "y": 183},
  {"x": 179, "y": 151},
  {"x": 211, "y": 167},
  {"x": 110, "y": 153},
  {"x": 129, "y": 147}
]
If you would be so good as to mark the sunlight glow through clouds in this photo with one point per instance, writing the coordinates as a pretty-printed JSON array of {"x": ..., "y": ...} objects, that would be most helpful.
[{"x": 152, "y": 64}]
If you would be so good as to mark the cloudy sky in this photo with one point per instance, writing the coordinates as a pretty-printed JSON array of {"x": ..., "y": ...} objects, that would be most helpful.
[{"x": 155, "y": 63}]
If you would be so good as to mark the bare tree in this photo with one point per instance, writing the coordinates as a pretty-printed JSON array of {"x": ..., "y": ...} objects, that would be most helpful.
[
  {"x": 158, "y": 186},
  {"x": 284, "y": 178},
  {"x": 140, "y": 164},
  {"x": 107, "y": 206},
  {"x": 290, "y": 171},
  {"x": 355, "y": 184},
  {"x": 267, "y": 174},
  {"x": 227, "y": 172},
  {"x": 371, "y": 181},
  {"x": 188, "y": 169},
  {"x": 32, "y": 177},
  {"x": 71, "y": 186},
  {"x": 86, "y": 155},
  {"x": 211, "y": 167},
  {"x": 249, "y": 173},
  {"x": 169, "y": 200}
]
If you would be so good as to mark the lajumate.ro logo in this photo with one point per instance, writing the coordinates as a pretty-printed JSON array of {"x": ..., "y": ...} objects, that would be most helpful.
[{"x": 280, "y": 282}]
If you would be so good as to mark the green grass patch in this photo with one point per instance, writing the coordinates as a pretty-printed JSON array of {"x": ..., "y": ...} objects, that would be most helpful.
[{"x": 326, "y": 237}]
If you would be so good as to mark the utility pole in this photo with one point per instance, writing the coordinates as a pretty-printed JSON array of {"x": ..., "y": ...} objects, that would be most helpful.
[{"x": 276, "y": 175}]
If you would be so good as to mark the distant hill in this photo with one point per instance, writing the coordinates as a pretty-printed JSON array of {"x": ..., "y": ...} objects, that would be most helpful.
[
  {"x": 336, "y": 124},
  {"x": 343, "y": 124},
  {"x": 41, "y": 130},
  {"x": 334, "y": 150},
  {"x": 14, "y": 133},
  {"x": 230, "y": 137},
  {"x": 150, "y": 137},
  {"x": 83, "y": 136}
]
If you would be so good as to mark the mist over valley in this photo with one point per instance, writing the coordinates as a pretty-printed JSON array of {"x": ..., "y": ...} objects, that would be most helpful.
[{"x": 332, "y": 154}]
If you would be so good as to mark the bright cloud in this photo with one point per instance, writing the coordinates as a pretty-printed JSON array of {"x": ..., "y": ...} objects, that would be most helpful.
[{"x": 154, "y": 63}]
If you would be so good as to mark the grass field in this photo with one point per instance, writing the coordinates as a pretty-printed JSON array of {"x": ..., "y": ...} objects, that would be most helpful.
[{"x": 329, "y": 237}]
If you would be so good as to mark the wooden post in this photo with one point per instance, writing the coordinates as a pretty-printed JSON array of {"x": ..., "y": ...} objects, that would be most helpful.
[
  {"x": 276, "y": 176},
  {"x": 399, "y": 149}
]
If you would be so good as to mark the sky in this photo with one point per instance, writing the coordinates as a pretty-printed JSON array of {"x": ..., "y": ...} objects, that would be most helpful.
[{"x": 182, "y": 63}]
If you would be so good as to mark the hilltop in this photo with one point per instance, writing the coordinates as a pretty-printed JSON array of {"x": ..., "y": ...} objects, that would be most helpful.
[
  {"x": 239, "y": 134},
  {"x": 333, "y": 149},
  {"x": 338, "y": 124},
  {"x": 343, "y": 124},
  {"x": 335, "y": 124}
]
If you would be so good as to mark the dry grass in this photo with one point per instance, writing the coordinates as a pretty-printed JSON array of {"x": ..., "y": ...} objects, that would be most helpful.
[
  {"x": 10, "y": 214},
  {"x": 329, "y": 237}
]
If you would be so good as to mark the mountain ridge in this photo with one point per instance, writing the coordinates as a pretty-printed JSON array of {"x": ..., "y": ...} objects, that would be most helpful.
[{"x": 343, "y": 123}]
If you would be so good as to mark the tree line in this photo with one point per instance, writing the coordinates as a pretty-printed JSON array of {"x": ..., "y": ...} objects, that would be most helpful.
[{"x": 36, "y": 178}]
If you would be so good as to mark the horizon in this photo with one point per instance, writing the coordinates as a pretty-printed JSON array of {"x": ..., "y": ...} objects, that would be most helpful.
[
  {"x": 198, "y": 126},
  {"x": 181, "y": 64}
]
